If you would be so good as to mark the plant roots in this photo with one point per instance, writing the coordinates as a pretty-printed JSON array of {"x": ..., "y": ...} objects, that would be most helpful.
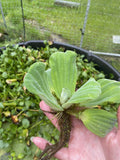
[{"x": 65, "y": 128}]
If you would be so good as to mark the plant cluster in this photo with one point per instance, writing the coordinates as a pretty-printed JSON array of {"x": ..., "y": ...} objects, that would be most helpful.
[
  {"x": 57, "y": 87},
  {"x": 19, "y": 112}
]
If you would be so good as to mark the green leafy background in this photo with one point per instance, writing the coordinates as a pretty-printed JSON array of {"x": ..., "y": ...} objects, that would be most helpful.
[{"x": 16, "y": 102}]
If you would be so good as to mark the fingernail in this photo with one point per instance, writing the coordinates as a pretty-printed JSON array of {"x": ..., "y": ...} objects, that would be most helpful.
[{"x": 32, "y": 139}]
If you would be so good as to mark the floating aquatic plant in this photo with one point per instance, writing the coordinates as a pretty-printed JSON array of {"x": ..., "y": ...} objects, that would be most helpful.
[{"x": 57, "y": 87}]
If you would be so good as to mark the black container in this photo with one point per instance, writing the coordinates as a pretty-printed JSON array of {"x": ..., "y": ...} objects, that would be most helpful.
[{"x": 102, "y": 65}]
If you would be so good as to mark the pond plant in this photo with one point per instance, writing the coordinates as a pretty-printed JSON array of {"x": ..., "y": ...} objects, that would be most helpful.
[
  {"x": 20, "y": 117},
  {"x": 57, "y": 87}
]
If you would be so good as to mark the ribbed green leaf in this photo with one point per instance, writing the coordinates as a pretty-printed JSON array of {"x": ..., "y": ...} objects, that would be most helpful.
[
  {"x": 48, "y": 72},
  {"x": 90, "y": 90},
  {"x": 110, "y": 92},
  {"x": 36, "y": 81},
  {"x": 63, "y": 71},
  {"x": 100, "y": 122}
]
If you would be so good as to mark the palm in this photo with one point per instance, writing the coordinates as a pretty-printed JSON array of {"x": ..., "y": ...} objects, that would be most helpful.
[{"x": 83, "y": 144}]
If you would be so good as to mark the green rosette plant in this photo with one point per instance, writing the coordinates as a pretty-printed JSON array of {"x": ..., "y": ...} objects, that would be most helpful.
[{"x": 57, "y": 87}]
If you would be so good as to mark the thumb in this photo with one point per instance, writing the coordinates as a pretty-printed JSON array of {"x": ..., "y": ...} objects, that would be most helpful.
[{"x": 41, "y": 143}]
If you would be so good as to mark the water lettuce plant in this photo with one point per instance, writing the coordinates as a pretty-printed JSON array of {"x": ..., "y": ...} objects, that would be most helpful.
[
  {"x": 19, "y": 112},
  {"x": 57, "y": 87}
]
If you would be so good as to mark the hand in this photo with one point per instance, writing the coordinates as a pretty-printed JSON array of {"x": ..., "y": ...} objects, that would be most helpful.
[{"x": 83, "y": 144}]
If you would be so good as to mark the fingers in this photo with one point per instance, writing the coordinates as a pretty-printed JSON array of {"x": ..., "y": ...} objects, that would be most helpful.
[
  {"x": 51, "y": 116},
  {"x": 39, "y": 142}
]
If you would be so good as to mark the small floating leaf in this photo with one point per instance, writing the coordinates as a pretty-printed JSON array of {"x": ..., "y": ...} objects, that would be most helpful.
[{"x": 25, "y": 123}]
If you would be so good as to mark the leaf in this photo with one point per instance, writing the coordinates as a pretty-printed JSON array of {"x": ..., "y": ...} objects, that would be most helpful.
[
  {"x": 110, "y": 92},
  {"x": 100, "y": 122},
  {"x": 48, "y": 72},
  {"x": 25, "y": 123},
  {"x": 17, "y": 146},
  {"x": 7, "y": 113},
  {"x": 1, "y": 105},
  {"x": 25, "y": 132},
  {"x": 90, "y": 90},
  {"x": 63, "y": 71},
  {"x": 36, "y": 81},
  {"x": 3, "y": 144},
  {"x": 65, "y": 95}
]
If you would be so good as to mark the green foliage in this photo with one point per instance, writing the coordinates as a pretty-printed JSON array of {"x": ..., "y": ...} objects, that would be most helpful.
[
  {"x": 19, "y": 110},
  {"x": 98, "y": 121},
  {"x": 89, "y": 91},
  {"x": 20, "y": 117},
  {"x": 60, "y": 63},
  {"x": 110, "y": 92},
  {"x": 63, "y": 78},
  {"x": 36, "y": 82},
  {"x": 25, "y": 123},
  {"x": 3, "y": 145},
  {"x": 43, "y": 18}
]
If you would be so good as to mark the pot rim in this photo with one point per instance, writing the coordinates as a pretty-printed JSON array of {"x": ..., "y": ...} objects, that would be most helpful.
[{"x": 102, "y": 64}]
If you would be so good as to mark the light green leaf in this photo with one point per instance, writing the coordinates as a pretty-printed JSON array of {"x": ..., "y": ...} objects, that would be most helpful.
[
  {"x": 1, "y": 105},
  {"x": 90, "y": 90},
  {"x": 36, "y": 81},
  {"x": 110, "y": 92},
  {"x": 3, "y": 144},
  {"x": 48, "y": 72},
  {"x": 25, "y": 123},
  {"x": 65, "y": 95},
  {"x": 100, "y": 122},
  {"x": 63, "y": 71}
]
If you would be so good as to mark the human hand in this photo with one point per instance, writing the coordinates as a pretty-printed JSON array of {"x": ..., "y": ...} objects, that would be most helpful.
[{"x": 83, "y": 144}]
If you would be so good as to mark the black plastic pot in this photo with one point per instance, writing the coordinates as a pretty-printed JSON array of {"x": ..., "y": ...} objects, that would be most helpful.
[{"x": 102, "y": 65}]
